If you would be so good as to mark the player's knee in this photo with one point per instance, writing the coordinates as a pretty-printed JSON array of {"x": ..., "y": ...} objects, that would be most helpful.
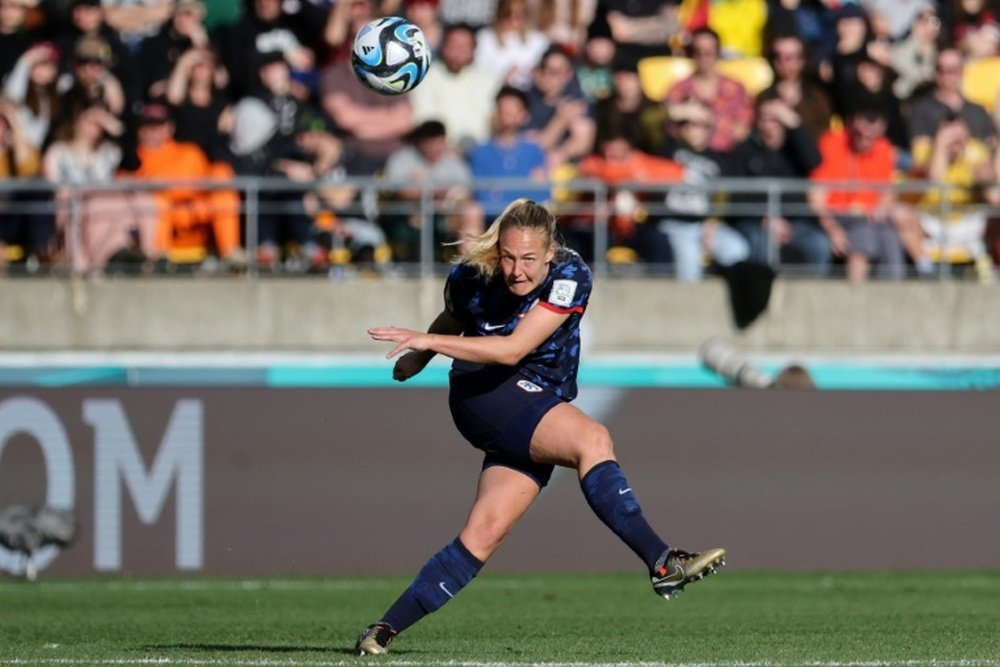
[
  {"x": 486, "y": 536},
  {"x": 598, "y": 444}
]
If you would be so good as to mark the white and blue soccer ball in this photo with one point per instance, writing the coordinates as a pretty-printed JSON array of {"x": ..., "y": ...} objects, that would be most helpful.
[{"x": 390, "y": 55}]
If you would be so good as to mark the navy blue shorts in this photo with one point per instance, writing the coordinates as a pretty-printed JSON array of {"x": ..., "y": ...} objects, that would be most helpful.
[{"x": 497, "y": 410}]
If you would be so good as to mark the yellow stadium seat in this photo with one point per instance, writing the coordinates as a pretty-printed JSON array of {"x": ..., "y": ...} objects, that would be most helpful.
[
  {"x": 618, "y": 254},
  {"x": 340, "y": 256},
  {"x": 12, "y": 253},
  {"x": 950, "y": 255},
  {"x": 754, "y": 73},
  {"x": 981, "y": 81},
  {"x": 187, "y": 255},
  {"x": 560, "y": 176},
  {"x": 658, "y": 73},
  {"x": 383, "y": 254}
]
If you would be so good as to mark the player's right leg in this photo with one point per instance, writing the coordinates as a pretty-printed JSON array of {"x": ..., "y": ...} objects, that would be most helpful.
[
  {"x": 567, "y": 436},
  {"x": 503, "y": 496}
]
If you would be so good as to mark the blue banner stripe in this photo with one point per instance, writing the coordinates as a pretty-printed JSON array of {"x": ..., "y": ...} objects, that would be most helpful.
[{"x": 834, "y": 376}]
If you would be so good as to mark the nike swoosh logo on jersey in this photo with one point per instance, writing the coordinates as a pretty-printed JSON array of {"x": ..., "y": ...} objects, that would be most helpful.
[
  {"x": 493, "y": 327},
  {"x": 622, "y": 492}
]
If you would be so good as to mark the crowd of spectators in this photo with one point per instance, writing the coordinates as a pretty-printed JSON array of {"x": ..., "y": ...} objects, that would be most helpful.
[{"x": 864, "y": 97}]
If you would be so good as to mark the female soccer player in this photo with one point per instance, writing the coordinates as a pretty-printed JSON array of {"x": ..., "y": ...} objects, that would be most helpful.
[{"x": 511, "y": 324}]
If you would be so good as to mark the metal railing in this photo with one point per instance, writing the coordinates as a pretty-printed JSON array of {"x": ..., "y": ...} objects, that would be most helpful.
[{"x": 587, "y": 205}]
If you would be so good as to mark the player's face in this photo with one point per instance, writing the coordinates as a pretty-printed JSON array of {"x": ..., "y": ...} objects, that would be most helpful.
[{"x": 524, "y": 259}]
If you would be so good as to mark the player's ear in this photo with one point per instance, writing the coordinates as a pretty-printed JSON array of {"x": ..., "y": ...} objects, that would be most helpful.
[{"x": 550, "y": 253}]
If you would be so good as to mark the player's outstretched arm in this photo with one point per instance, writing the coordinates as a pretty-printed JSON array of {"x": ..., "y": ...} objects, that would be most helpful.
[{"x": 508, "y": 350}]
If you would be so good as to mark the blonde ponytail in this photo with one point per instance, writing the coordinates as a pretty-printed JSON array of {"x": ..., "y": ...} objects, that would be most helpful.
[{"x": 520, "y": 214}]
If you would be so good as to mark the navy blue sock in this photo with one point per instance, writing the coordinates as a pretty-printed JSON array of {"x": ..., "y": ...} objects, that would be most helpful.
[
  {"x": 609, "y": 495},
  {"x": 444, "y": 575}
]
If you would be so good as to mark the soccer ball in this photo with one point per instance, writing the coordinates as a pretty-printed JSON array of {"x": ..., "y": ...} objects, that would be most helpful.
[{"x": 390, "y": 55}]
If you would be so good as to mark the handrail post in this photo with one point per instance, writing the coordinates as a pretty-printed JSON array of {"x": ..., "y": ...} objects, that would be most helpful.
[
  {"x": 601, "y": 236},
  {"x": 75, "y": 240},
  {"x": 773, "y": 211},
  {"x": 252, "y": 220},
  {"x": 426, "y": 231},
  {"x": 944, "y": 214}
]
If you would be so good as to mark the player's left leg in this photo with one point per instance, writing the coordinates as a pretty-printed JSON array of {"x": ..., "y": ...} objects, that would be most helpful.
[
  {"x": 503, "y": 497},
  {"x": 566, "y": 436}
]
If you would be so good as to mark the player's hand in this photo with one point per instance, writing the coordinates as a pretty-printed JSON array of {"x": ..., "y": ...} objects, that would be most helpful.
[
  {"x": 409, "y": 365},
  {"x": 405, "y": 339}
]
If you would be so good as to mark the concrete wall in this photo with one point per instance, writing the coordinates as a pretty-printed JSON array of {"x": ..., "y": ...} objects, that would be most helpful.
[{"x": 625, "y": 314}]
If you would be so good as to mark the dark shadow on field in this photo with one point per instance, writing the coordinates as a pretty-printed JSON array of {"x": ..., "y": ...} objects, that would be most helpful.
[{"x": 253, "y": 647}]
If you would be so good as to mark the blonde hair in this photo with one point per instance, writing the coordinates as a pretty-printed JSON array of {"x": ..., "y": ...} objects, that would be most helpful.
[{"x": 520, "y": 214}]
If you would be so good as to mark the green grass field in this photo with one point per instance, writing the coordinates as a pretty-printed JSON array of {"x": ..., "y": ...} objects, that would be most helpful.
[{"x": 734, "y": 618}]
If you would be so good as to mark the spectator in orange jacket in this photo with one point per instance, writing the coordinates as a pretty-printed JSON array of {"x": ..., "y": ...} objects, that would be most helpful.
[
  {"x": 189, "y": 218},
  {"x": 853, "y": 196}
]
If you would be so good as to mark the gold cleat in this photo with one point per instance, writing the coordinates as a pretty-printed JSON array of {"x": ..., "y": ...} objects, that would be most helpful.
[
  {"x": 675, "y": 569},
  {"x": 375, "y": 639}
]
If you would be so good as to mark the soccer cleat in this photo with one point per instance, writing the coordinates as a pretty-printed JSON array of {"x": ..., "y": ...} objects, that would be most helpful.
[
  {"x": 675, "y": 569},
  {"x": 375, "y": 639}
]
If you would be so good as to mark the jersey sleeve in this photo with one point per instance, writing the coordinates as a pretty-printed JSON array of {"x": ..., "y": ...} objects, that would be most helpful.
[
  {"x": 570, "y": 290},
  {"x": 457, "y": 293}
]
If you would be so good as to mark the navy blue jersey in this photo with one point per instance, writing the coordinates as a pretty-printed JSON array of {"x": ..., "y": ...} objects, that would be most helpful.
[{"x": 488, "y": 308}]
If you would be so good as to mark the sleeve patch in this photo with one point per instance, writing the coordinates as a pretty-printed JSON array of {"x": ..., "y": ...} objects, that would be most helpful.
[{"x": 562, "y": 292}]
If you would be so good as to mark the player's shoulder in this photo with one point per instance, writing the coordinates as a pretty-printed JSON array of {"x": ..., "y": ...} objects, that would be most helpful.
[
  {"x": 568, "y": 264},
  {"x": 463, "y": 272}
]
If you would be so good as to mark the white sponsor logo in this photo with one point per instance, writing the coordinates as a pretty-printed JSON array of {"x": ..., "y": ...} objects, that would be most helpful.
[
  {"x": 493, "y": 327},
  {"x": 445, "y": 589},
  {"x": 121, "y": 474},
  {"x": 528, "y": 386},
  {"x": 622, "y": 492},
  {"x": 562, "y": 292}
]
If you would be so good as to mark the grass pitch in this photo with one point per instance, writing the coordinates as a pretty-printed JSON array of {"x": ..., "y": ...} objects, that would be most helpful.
[{"x": 735, "y": 618}]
